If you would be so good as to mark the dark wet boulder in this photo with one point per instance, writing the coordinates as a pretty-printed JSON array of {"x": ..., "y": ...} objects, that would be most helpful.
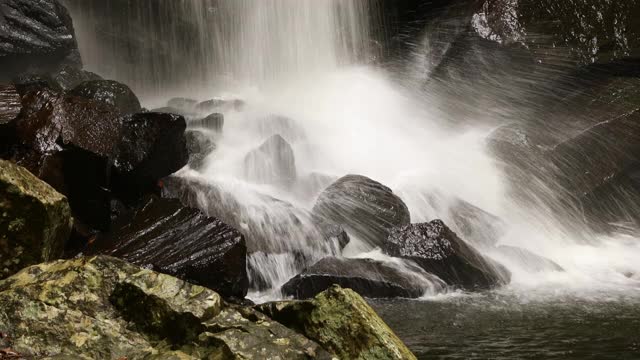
[
  {"x": 369, "y": 278},
  {"x": 439, "y": 251},
  {"x": 363, "y": 206},
  {"x": 35, "y": 220},
  {"x": 52, "y": 309},
  {"x": 168, "y": 237},
  {"x": 109, "y": 92},
  {"x": 273, "y": 162},
  {"x": 69, "y": 77},
  {"x": 342, "y": 322},
  {"x": 10, "y": 103},
  {"x": 36, "y": 36},
  {"x": 199, "y": 146},
  {"x": 213, "y": 122},
  {"x": 525, "y": 259},
  {"x": 69, "y": 143},
  {"x": 152, "y": 146}
]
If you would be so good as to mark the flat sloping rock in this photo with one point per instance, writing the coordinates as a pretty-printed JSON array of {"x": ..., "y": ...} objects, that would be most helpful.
[
  {"x": 170, "y": 238},
  {"x": 439, "y": 251},
  {"x": 343, "y": 323},
  {"x": 35, "y": 220},
  {"x": 369, "y": 278},
  {"x": 363, "y": 206}
]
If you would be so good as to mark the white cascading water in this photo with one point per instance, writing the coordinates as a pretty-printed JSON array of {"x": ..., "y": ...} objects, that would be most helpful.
[{"x": 301, "y": 68}]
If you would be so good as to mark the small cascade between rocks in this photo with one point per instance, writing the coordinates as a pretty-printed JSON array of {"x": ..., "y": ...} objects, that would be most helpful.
[{"x": 303, "y": 105}]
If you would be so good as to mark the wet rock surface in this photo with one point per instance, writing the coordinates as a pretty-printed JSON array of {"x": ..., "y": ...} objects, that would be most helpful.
[
  {"x": 369, "y": 278},
  {"x": 439, "y": 251},
  {"x": 168, "y": 237},
  {"x": 102, "y": 307},
  {"x": 573, "y": 32},
  {"x": 37, "y": 36},
  {"x": 273, "y": 162},
  {"x": 152, "y": 146},
  {"x": 343, "y": 323},
  {"x": 363, "y": 206},
  {"x": 109, "y": 92},
  {"x": 69, "y": 77},
  {"x": 35, "y": 220}
]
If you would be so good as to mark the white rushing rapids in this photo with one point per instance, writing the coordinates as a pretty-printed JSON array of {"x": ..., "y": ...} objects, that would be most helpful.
[{"x": 302, "y": 69}]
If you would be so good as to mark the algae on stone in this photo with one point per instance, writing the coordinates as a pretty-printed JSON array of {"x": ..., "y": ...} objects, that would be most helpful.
[
  {"x": 35, "y": 220},
  {"x": 341, "y": 322}
]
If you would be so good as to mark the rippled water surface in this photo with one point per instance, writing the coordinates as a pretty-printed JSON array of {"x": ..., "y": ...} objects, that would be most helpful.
[{"x": 503, "y": 326}]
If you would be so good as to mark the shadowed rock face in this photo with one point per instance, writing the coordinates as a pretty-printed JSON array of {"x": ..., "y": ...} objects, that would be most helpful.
[
  {"x": 199, "y": 146},
  {"x": 35, "y": 220},
  {"x": 68, "y": 142},
  {"x": 364, "y": 206},
  {"x": 183, "y": 242},
  {"x": 109, "y": 92},
  {"x": 36, "y": 36},
  {"x": 367, "y": 277},
  {"x": 439, "y": 251},
  {"x": 564, "y": 32}
]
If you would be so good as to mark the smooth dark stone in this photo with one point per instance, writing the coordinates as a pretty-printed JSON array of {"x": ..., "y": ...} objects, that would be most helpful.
[
  {"x": 273, "y": 162},
  {"x": 37, "y": 36},
  {"x": 363, "y": 206},
  {"x": 213, "y": 122},
  {"x": 439, "y": 251},
  {"x": 109, "y": 92},
  {"x": 367, "y": 277},
  {"x": 168, "y": 237},
  {"x": 152, "y": 146}
]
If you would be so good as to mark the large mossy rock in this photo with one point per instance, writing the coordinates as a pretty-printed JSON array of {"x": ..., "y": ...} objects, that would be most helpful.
[
  {"x": 104, "y": 308},
  {"x": 35, "y": 220},
  {"x": 36, "y": 36},
  {"x": 439, "y": 251},
  {"x": 363, "y": 206},
  {"x": 343, "y": 323}
]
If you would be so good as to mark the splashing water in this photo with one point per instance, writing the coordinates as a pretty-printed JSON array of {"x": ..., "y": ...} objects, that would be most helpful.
[{"x": 300, "y": 66}]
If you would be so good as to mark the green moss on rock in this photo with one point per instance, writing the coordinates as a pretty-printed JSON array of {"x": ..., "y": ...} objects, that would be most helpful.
[
  {"x": 343, "y": 323},
  {"x": 35, "y": 220}
]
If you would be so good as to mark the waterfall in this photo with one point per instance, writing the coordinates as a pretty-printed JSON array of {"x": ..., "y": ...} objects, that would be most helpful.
[{"x": 302, "y": 67}]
